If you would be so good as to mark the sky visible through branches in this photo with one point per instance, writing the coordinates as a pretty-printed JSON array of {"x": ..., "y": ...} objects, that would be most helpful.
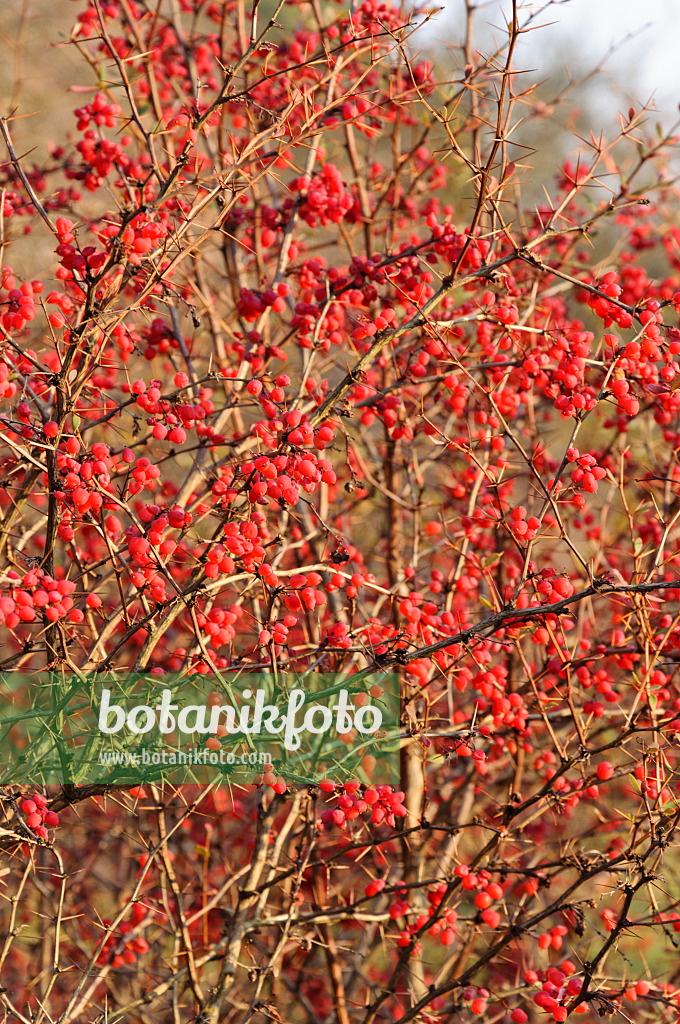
[{"x": 646, "y": 37}]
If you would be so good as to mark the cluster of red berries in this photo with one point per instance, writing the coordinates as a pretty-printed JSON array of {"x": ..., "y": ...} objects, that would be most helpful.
[
  {"x": 283, "y": 476},
  {"x": 101, "y": 111},
  {"x": 251, "y": 305},
  {"x": 137, "y": 240},
  {"x": 271, "y": 779},
  {"x": 121, "y": 952},
  {"x": 277, "y": 632},
  {"x": 170, "y": 419},
  {"x": 587, "y": 473},
  {"x": 380, "y": 804},
  {"x": 523, "y": 528},
  {"x": 19, "y": 304},
  {"x": 242, "y": 540},
  {"x": 444, "y": 927},
  {"x": 448, "y": 245},
  {"x": 7, "y": 388},
  {"x": 38, "y": 817},
  {"x": 65, "y": 305},
  {"x": 219, "y": 624},
  {"x": 610, "y": 312},
  {"x": 73, "y": 260},
  {"x": 304, "y": 591},
  {"x": 552, "y": 587},
  {"x": 626, "y": 401},
  {"x": 38, "y": 593},
  {"x": 143, "y": 474},
  {"x": 100, "y": 156},
  {"x": 556, "y": 990},
  {"x": 323, "y": 199}
]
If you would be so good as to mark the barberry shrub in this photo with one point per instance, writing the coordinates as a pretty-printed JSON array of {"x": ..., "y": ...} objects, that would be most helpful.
[{"x": 307, "y": 379}]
